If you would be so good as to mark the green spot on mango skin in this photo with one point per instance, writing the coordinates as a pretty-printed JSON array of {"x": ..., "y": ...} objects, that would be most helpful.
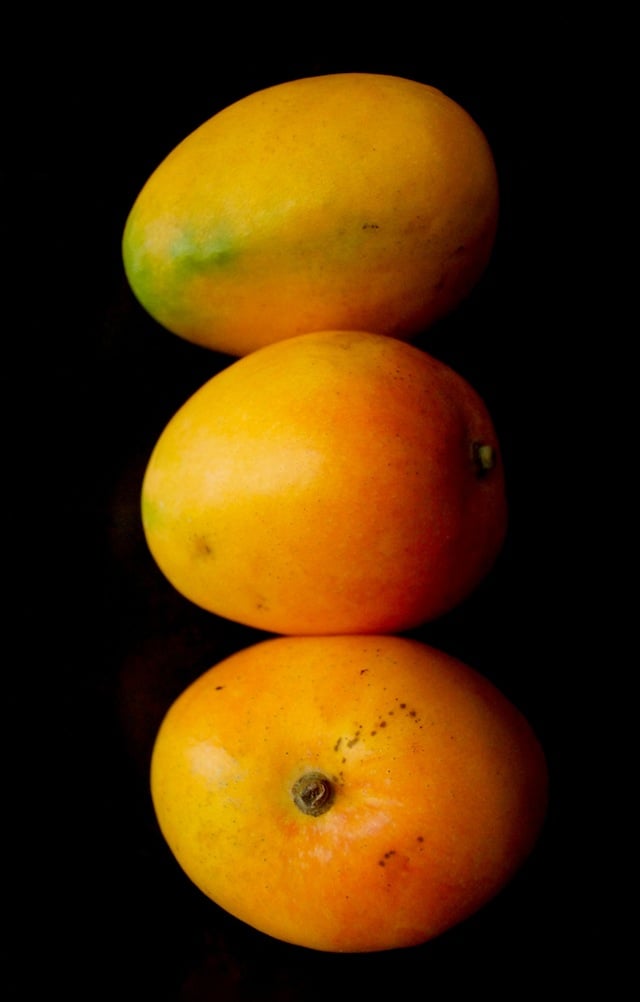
[
  {"x": 167, "y": 263},
  {"x": 150, "y": 513},
  {"x": 193, "y": 255},
  {"x": 484, "y": 458}
]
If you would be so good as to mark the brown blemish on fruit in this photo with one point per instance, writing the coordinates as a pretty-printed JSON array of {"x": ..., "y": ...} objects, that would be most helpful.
[
  {"x": 202, "y": 547},
  {"x": 387, "y": 855},
  {"x": 313, "y": 793},
  {"x": 356, "y": 737}
]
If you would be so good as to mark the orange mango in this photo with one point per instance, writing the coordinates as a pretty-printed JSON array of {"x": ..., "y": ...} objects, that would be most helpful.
[
  {"x": 348, "y": 794},
  {"x": 336, "y": 482},
  {"x": 345, "y": 201}
]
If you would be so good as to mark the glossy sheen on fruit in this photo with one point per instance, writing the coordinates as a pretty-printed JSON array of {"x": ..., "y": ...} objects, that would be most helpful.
[
  {"x": 429, "y": 785},
  {"x": 338, "y": 482},
  {"x": 353, "y": 200}
]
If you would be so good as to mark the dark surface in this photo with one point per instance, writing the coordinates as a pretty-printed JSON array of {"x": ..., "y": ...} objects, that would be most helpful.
[{"x": 109, "y": 644}]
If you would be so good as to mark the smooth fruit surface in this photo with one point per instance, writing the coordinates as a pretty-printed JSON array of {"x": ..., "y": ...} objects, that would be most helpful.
[
  {"x": 348, "y": 794},
  {"x": 338, "y": 482},
  {"x": 351, "y": 200}
]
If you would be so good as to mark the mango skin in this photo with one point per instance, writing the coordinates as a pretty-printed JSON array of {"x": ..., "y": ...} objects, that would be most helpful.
[
  {"x": 351, "y": 201},
  {"x": 440, "y": 785},
  {"x": 327, "y": 483}
]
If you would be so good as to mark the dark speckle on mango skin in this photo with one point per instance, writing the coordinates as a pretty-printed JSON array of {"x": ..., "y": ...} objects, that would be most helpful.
[
  {"x": 378, "y": 726},
  {"x": 343, "y": 743},
  {"x": 202, "y": 547},
  {"x": 387, "y": 855}
]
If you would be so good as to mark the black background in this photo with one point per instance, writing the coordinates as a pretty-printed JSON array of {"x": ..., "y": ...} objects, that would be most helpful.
[{"x": 105, "y": 644}]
